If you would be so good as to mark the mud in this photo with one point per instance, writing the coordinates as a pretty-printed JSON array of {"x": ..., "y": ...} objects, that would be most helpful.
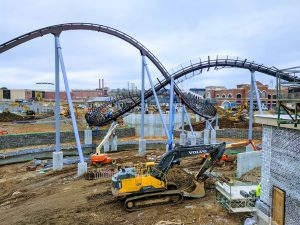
[{"x": 63, "y": 198}]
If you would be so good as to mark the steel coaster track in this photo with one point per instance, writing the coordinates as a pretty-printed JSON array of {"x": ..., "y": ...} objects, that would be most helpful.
[
  {"x": 58, "y": 29},
  {"x": 198, "y": 106}
]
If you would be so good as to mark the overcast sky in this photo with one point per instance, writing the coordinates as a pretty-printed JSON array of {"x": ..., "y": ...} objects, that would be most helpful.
[{"x": 174, "y": 31}]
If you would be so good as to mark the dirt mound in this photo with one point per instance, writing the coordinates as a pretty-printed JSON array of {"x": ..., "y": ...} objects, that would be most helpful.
[
  {"x": 252, "y": 175},
  {"x": 10, "y": 117}
]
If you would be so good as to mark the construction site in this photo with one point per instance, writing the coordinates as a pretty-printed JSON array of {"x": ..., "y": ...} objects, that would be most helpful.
[{"x": 134, "y": 159}]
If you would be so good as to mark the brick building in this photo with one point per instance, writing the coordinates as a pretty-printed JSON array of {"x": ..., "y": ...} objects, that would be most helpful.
[{"x": 223, "y": 96}]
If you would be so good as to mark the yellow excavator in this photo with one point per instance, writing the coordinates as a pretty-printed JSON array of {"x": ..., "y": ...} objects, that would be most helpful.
[
  {"x": 236, "y": 114},
  {"x": 148, "y": 184}
]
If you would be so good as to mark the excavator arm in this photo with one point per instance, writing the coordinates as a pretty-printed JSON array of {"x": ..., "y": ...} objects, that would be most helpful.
[{"x": 215, "y": 150}]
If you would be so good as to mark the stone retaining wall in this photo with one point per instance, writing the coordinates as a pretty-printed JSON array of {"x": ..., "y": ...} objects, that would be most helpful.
[{"x": 32, "y": 139}]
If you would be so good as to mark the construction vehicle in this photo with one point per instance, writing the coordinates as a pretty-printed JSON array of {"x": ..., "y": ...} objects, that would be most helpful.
[
  {"x": 28, "y": 111},
  {"x": 237, "y": 114},
  {"x": 98, "y": 158},
  {"x": 149, "y": 186}
]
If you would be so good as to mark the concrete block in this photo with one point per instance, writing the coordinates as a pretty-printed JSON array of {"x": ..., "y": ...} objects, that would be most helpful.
[
  {"x": 247, "y": 161},
  {"x": 81, "y": 169},
  {"x": 182, "y": 140},
  {"x": 206, "y": 136},
  {"x": 213, "y": 136},
  {"x": 193, "y": 140},
  {"x": 106, "y": 146},
  {"x": 88, "y": 140},
  {"x": 114, "y": 143},
  {"x": 142, "y": 147},
  {"x": 217, "y": 127},
  {"x": 58, "y": 160},
  {"x": 249, "y": 148}
]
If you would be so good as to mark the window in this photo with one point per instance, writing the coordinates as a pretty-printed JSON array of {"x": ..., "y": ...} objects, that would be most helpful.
[
  {"x": 274, "y": 96},
  {"x": 269, "y": 96},
  {"x": 229, "y": 95},
  {"x": 223, "y": 96},
  {"x": 218, "y": 96},
  {"x": 238, "y": 96}
]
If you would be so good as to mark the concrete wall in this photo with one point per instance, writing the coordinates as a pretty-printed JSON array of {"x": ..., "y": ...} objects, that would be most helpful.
[
  {"x": 153, "y": 124},
  {"x": 32, "y": 139},
  {"x": 280, "y": 168},
  {"x": 233, "y": 133},
  {"x": 247, "y": 161}
]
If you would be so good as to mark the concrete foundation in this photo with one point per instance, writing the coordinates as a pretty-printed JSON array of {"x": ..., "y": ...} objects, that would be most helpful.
[
  {"x": 106, "y": 146},
  {"x": 247, "y": 161},
  {"x": 142, "y": 147},
  {"x": 249, "y": 148},
  {"x": 193, "y": 140},
  {"x": 182, "y": 139},
  {"x": 206, "y": 136},
  {"x": 88, "y": 140},
  {"x": 217, "y": 127},
  {"x": 82, "y": 168},
  {"x": 58, "y": 160},
  {"x": 213, "y": 136},
  {"x": 114, "y": 143}
]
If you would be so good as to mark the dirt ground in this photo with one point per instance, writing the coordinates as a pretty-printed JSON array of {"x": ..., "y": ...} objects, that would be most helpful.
[{"x": 62, "y": 198}]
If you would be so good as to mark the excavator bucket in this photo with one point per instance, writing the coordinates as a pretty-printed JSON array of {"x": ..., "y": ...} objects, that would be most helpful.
[{"x": 196, "y": 190}]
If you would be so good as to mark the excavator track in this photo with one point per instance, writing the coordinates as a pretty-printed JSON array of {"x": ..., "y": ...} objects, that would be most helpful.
[{"x": 135, "y": 203}]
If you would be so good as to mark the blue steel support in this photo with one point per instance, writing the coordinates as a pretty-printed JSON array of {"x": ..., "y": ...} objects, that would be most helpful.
[
  {"x": 171, "y": 113},
  {"x": 251, "y": 108},
  {"x": 57, "y": 100},
  {"x": 182, "y": 119},
  {"x": 217, "y": 120},
  {"x": 256, "y": 92},
  {"x": 188, "y": 119},
  {"x": 143, "y": 101},
  {"x": 155, "y": 97},
  {"x": 63, "y": 70}
]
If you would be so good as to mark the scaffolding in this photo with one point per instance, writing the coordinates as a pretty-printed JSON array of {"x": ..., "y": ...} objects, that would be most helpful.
[
  {"x": 236, "y": 198},
  {"x": 288, "y": 98}
]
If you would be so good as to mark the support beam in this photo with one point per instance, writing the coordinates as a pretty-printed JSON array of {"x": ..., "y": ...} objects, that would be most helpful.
[
  {"x": 58, "y": 154},
  {"x": 82, "y": 165},
  {"x": 57, "y": 100},
  {"x": 188, "y": 119},
  {"x": 155, "y": 97},
  {"x": 182, "y": 119},
  {"x": 142, "y": 141},
  {"x": 217, "y": 122},
  {"x": 251, "y": 109},
  {"x": 171, "y": 114},
  {"x": 256, "y": 92}
]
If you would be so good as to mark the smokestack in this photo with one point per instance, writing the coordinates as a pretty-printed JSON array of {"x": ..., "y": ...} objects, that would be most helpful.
[{"x": 102, "y": 87}]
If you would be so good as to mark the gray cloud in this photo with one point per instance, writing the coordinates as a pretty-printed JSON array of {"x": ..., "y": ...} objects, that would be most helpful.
[{"x": 175, "y": 31}]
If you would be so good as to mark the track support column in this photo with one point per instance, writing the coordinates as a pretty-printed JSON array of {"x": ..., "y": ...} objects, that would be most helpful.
[
  {"x": 257, "y": 93},
  {"x": 171, "y": 115},
  {"x": 155, "y": 97},
  {"x": 251, "y": 108},
  {"x": 82, "y": 166},
  {"x": 182, "y": 140},
  {"x": 142, "y": 141},
  {"x": 58, "y": 154}
]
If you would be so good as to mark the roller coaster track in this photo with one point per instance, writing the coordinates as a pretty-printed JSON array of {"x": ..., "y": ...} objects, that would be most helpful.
[
  {"x": 58, "y": 29},
  {"x": 199, "y": 107}
]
